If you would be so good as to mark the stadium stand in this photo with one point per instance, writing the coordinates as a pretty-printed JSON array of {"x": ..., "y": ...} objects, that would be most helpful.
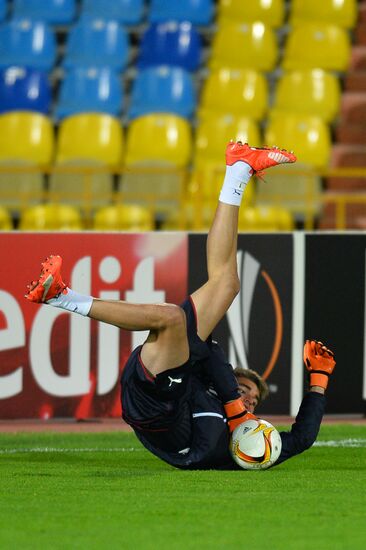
[
  {"x": 87, "y": 145},
  {"x": 171, "y": 43},
  {"x": 124, "y": 217},
  {"x": 97, "y": 42},
  {"x": 219, "y": 68},
  {"x": 29, "y": 43},
  {"x": 163, "y": 89},
  {"x": 23, "y": 89},
  {"x": 54, "y": 12},
  {"x": 271, "y": 12},
  {"x": 198, "y": 12},
  {"x": 91, "y": 89},
  {"x": 126, "y": 12},
  {"x": 26, "y": 142},
  {"x": 51, "y": 217}
]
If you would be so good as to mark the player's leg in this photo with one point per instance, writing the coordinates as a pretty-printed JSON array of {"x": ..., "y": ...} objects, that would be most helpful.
[
  {"x": 213, "y": 299},
  {"x": 167, "y": 344}
]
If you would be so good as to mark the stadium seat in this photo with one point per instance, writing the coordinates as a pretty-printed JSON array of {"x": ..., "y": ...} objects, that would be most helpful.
[
  {"x": 308, "y": 136},
  {"x": 309, "y": 92},
  {"x": 171, "y": 43},
  {"x": 54, "y": 12},
  {"x": 126, "y": 12},
  {"x": 123, "y": 217},
  {"x": 342, "y": 13},
  {"x": 154, "y": 141},
  {"x": 244, "y": 45},
  {"x": 51, "y": 217},
  {"x": 263, "y": 218},
  {"x": 212, "y": 135},
  {"x": 97, "y": 43},
  {"x": 27, "y": 137},
  {"x": 23, "y": 89},
  {"x": 163, "y": 89},
  {"x": 93, "y": 89},
  {"x": 240, "y": 92},
  {"x": 327, "y": 47},
  {"x": 293, "y": 187},
  {"x": 26, "y": 142},
  {"x": 24, "y": 42},
  {"x": 6, "y": 223},
  {"x": 3, "y": 9},
  {"x": 198, "y": 12},
  {"x": 86, "y": 142},
  {"x": 270, "y": 12}
]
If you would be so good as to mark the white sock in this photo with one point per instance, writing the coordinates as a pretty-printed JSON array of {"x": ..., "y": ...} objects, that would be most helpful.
[
  {"x": 236, "y": 178},
  {"x": 72, "y": 301}
]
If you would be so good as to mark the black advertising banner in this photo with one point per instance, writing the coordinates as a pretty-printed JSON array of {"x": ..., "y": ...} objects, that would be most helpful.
[
  {"x": 257, "y": 330},
  {"x": 335, "y": 312}
]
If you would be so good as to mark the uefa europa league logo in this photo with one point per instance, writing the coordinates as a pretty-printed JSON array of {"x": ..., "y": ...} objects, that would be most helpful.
[{"x": 239, "y": 314}]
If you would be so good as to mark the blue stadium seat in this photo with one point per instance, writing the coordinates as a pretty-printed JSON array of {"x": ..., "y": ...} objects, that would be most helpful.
[
  {"x": 3, "y": 9},
  {"x": 28, "y": 43},
  {"x": 23, "y": 89},
  {"x": 97, "y": 42},
  {"x": 163, "y": 89},
  {"x": 126, "y": 12},
  {"x": 171, "y": 43},
  {"x": 198, "y": 12},
  {"x": 90, "y": 90},
  {"x": 54, "y": 12}
]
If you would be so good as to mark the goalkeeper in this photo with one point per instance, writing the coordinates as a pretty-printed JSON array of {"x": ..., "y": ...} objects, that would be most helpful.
[{"x": 178, "y": 391}]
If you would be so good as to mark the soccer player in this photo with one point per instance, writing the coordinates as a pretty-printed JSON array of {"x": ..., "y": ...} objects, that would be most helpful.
[{"x": 178, "y": 392}]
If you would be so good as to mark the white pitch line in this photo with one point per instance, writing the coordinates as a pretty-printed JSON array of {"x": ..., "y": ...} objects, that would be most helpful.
[
  {"x": 65, "y": 450},
  {"x": 341, "y": 443}
]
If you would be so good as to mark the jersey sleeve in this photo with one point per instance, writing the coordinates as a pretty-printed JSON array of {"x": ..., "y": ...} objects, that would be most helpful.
[{"x": 306, "y": 427}]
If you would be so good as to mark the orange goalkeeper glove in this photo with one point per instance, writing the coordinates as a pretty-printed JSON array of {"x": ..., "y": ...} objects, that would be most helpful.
[
  {"x": 319, "y": 361},
  {"x": 237, "y": 413}
]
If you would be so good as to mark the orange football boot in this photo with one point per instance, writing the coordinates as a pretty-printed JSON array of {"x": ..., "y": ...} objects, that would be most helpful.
[
  {"x": 49, "y": 283},
  {"x": 258, "y": 158}
]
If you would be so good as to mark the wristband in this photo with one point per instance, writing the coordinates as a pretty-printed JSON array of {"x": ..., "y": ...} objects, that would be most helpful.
[{"x": 319, "y": 378}]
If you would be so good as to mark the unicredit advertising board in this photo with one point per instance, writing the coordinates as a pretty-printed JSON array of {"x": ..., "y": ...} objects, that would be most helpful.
[{"x": 293, "y": 286}]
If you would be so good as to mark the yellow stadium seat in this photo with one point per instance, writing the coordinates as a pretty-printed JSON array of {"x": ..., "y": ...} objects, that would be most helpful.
[
  {"x": 338, "y": 12},
  {"x": 317, "y": 45},
  {"x": 158, "y": 150},
  {"x": 192, "y": 216},
  {"x": 26, "y": 136},
  {"x": 86, "y": 141},
  {"x": 123, "y": 217},
  {"x": 244, "y": 45},
  {"x": 6, "y": 223},
  {"x": 51, "y": 217},
  {"x": 270, "y": 12},
  {"x": 243, "y": 92},
  {"x": 308, "y": 136},
  {"x": 263, "y": 218},
  {"x": 308, "y": 92},
  {"x": 293, "y": 187},
  {"x": 159, "y": 139},
  {"x": 26, "y": 140},
  {"x": 212, "y": 135}
]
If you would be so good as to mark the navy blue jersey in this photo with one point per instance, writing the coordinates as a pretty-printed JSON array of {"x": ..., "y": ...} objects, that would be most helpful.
[{"x": 179, "y": 415}]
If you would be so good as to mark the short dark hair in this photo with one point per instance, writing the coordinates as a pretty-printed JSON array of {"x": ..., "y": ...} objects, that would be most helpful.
[{"x": 257, "y": 379}]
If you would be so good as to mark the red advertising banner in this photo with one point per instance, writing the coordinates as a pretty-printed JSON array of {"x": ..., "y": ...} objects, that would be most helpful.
[{"x": 54, "y": 364}]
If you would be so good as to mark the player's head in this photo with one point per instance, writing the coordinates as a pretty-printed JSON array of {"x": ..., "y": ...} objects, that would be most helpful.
[{"x": 253, "y": 389}]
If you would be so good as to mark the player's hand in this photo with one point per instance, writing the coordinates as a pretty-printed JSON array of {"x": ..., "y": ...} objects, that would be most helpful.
[
  {"x": 319, "y": 361},
  {"x": 237, "y": 413}
]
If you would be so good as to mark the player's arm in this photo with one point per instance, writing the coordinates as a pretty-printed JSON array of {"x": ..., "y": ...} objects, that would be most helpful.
[{"x": 320, "y": 363}]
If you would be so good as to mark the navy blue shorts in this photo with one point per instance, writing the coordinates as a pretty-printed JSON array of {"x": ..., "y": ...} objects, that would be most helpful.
[{"x": 154, "y": 404}]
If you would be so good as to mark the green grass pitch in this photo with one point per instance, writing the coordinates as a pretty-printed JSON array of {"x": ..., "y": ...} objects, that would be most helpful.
[{"x": 91, "y": 491}]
